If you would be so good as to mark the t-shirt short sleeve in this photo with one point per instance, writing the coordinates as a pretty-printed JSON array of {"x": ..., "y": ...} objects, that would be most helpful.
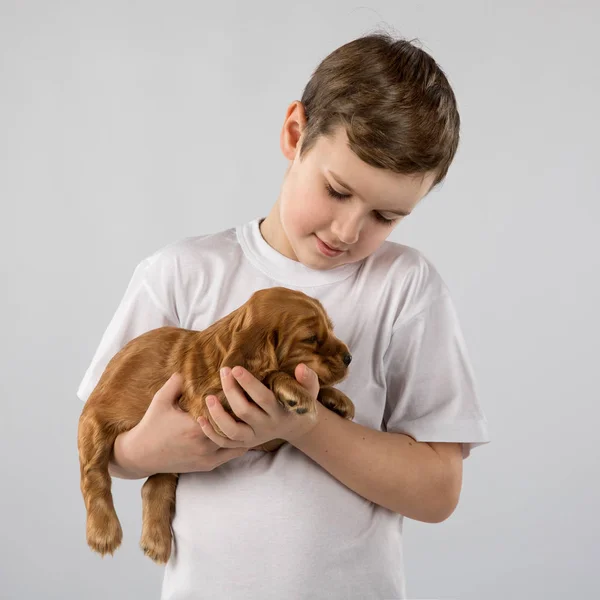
[
  {"x": 147, "y": 304},
  {"x": 431, "y": 388}
]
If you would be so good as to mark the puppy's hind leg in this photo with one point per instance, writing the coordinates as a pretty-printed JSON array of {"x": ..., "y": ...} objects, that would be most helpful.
[
  {"x": 103, "y": 530},
  {"x": 158, "y": 508}
]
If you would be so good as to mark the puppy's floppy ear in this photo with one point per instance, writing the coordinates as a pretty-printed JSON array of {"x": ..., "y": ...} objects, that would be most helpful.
[{"x": 255, "y": 349}]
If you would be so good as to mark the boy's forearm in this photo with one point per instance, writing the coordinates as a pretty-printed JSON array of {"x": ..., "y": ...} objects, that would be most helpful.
[
  {"x": 389, "y": 469},
  {"x": 120, "y": 464}
]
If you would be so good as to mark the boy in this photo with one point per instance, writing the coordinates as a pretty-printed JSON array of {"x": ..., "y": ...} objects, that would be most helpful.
[{"x": 322, "y": 517}]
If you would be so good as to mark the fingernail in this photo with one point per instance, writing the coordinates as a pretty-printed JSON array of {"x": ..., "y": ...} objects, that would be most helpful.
[{"x": 225, "y": 371}]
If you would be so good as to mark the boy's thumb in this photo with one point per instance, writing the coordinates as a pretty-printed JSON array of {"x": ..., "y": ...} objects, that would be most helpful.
[
  {"x": 171, "y": 390},
  {"x": 308, "y": 378}
]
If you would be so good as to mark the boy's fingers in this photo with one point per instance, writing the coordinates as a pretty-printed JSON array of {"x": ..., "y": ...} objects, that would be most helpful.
[{"x": 227, "y": 454}]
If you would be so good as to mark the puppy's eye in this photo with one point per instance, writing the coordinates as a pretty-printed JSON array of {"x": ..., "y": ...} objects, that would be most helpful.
[{"x": 311, "y": 340}]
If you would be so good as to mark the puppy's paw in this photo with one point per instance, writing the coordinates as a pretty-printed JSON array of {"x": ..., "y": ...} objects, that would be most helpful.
[
  {"x": 293, "y": 397},
  {"x": 103, "y": 530},
  {"x": 156, "y": 544},
  {"x": 337, "y": 402}
]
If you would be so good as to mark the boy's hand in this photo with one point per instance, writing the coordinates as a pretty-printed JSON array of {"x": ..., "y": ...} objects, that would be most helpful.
[
  {"x": 262, "y": 423},
  {"x": 169, "y": 440}
]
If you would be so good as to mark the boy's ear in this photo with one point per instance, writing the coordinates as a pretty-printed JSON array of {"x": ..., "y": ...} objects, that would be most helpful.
[{"x": 292, "y": 133}]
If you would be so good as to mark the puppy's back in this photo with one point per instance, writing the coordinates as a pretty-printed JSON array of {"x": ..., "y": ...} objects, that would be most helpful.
[{"x": 135, "y": 373}]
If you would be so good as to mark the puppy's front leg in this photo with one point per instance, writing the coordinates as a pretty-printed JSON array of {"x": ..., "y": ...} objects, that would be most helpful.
[
  {"x": 292, "y": 396},
  {"x": 289, "y": 393},
  {"x": 337, "y": 402}
]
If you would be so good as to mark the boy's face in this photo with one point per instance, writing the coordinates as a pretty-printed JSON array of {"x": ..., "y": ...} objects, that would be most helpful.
[{"x": 306, "y": 212}]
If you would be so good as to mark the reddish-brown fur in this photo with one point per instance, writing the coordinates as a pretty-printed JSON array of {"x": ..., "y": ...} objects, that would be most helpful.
[{"x": 267, "y": 336}]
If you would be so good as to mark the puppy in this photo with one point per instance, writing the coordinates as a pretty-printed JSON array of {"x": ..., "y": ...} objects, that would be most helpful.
[{"x": 269, "y": 335}]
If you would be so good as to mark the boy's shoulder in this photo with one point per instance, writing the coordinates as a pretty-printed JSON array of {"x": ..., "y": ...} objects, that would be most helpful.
[
  {"x": 409, "y": 276},
  {"x": 188, "y": 251},
  {"x": 406, "y": 262},
  {"x": 187, "y": 261},
  {"x": 400, "y": 254}
]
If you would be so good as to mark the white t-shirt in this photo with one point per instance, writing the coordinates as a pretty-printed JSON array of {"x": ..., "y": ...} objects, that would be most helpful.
[{"x": 275, "y": 526}]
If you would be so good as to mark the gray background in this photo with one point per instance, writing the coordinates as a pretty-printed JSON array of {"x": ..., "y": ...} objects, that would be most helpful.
[{"x": 127, "y": 125}]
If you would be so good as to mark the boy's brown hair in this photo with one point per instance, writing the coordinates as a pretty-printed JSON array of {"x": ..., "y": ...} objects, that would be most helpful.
[{"x": 394, "y": 101}]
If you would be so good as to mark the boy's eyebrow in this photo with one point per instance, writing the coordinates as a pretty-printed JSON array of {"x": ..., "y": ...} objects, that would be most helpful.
[{"x": 337, "y": 178}]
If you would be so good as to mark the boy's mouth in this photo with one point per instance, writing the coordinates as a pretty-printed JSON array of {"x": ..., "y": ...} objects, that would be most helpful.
[{"x": 327, "y": 250}]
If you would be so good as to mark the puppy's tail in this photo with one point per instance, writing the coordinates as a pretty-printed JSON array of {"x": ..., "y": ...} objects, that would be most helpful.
[{"x": 95, "y": 443}]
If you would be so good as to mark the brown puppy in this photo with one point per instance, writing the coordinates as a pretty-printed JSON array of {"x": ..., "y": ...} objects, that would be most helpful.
[{"x": 269, "y": 335}]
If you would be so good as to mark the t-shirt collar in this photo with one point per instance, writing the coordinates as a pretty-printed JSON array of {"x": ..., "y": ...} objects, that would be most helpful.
[{"x": 281, "y": 268}]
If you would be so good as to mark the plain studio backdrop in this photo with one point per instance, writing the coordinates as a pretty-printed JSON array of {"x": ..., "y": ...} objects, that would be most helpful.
[{"x": 127, "y": 125}]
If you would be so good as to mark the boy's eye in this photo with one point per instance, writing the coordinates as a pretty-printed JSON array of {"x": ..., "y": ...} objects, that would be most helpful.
[
  {"x": 378, "y": 217},
  {"x": 335, "y": 194}
]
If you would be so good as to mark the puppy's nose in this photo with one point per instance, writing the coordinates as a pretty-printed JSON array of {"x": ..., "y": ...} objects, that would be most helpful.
[{"x": 347, "y": 358}]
